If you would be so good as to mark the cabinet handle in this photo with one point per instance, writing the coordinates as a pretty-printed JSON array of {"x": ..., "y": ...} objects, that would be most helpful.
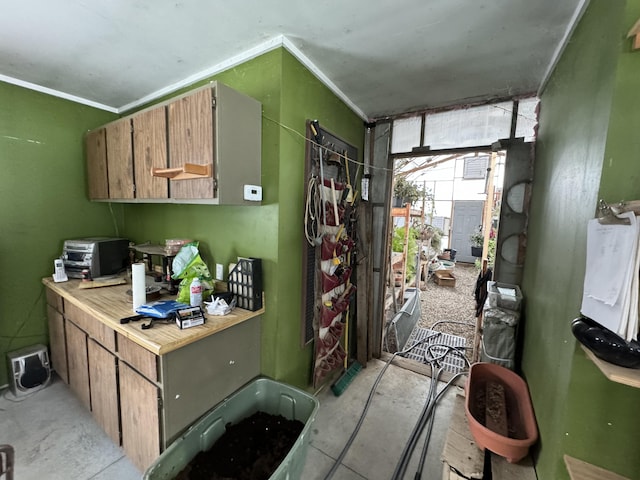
[{"x": 186, "y": 172}]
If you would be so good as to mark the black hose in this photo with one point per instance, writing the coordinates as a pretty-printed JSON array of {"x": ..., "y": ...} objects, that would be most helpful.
[
  {"x": 426, "y": 416},
  {"x": 405, "y": 457},
  {"x": 423, "y": 454},
  {"x": 345, "y": 449}
]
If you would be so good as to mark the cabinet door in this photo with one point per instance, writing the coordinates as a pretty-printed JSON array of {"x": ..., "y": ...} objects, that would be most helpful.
[
  {"x": 96, "y": 154},
  {"x": 57, "y": 343},
  {"x": 120, "y": 159},
  {"x": 149, "y": 151},
  {"x": 104, "y": 389},
  {"x": 139, "y": 400},
  {"x": 78, "y": 363},
  {"x": 191, "y": 141}
]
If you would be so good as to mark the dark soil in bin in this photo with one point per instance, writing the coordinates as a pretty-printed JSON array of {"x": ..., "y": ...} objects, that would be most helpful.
[
  {"x": 486, "y": 402},
  {"x": 251, "y": 449}
]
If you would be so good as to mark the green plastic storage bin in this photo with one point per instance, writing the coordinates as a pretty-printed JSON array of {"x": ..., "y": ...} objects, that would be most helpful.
[{"x": 261, "y": 394}]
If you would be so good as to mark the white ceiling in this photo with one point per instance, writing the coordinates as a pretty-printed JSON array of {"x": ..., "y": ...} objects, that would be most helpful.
[{"x": 380, "y": 57}]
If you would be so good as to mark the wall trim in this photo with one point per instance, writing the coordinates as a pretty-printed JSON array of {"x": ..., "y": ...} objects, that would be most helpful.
[
  {"x": 56, "y": 93},
  {"x": 260, "y": 49}
]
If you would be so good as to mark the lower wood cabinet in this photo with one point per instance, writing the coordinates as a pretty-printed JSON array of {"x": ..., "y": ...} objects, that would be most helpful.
[
  {"x": 103, "y": 379},
  {"x": 78, "y": 363},
  {"x": 144, "y": 401},
  {"x": 139, "y": 406},
  {"x": 58, "y": 343}
]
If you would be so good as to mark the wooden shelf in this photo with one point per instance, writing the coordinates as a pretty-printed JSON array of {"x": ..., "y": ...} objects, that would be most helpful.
[
  {"x": 615, "y": 373},
  {"x": 579, "y": 470}
]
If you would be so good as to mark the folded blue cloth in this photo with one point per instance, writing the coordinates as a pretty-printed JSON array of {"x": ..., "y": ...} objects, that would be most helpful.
[{"x": 161, "y": 308}]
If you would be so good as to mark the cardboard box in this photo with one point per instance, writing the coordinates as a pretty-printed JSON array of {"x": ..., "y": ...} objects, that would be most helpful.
[{"x": 444, "y": 278}]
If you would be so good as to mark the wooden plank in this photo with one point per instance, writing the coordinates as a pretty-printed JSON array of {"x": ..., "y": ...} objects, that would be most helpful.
[
  {"x": 460, "y": 449},
  {"x": 140, "y": 418},
  {"x": 138, "y": 357},
  {"x": 191, "y": 141},
  {"x": 120, "y": 159},
  {"x": 150, "y": 151},
  {"x": 615, "y": 373},
  {"x": 96, "y": 155},
  {"x": 108, "y": 305},
  {"x": 98, "y": 283},
  {"x": 503, "y": 470},
  {"x": 104, "y": 389},
  {"x": 580, "y": 470}
]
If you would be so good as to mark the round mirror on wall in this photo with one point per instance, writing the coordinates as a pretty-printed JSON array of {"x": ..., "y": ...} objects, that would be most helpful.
[{"x": 515, "y": 197}]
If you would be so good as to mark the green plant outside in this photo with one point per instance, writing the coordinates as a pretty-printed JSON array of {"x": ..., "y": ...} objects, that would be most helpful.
[
  {"x": 410, "y": 192},
  {"x": 476, "y": 239},
  {"x": 397, "y": 245},
  {"x": 491, "y": 255}
]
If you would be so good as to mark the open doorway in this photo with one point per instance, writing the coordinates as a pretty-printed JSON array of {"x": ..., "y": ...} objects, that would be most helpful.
[
  {"x": 449, "y": 203},
  {"x": 469, "y": 142}
]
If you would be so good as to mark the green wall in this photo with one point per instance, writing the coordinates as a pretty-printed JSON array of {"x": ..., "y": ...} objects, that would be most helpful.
[
  {"x": 42, "y": 202},
  {"x": 42, "y": 190},
  {"x": 585, "y": 151},
  {"x": 273, "y": 231}
]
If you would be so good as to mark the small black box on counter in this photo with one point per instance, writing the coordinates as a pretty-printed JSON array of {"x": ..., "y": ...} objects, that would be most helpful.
[
  {"x": 245, "y": 282},
  {"x": 189, "y": 317}
]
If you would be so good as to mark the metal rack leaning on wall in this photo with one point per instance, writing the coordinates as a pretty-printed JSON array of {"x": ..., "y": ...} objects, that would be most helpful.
[{"x": 330, "y": 230}]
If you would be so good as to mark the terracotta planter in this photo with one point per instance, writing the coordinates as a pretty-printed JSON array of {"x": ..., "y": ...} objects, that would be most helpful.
[{"x": 520, "y": 419}]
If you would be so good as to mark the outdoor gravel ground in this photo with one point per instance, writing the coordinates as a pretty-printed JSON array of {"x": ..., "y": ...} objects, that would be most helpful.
[
  {"x": 456, "y": 304},
  {"x": 446, "y": 305}
]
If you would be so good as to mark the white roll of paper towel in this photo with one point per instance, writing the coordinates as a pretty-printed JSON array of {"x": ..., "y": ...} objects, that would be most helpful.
[{"x": 138, "y": 285}]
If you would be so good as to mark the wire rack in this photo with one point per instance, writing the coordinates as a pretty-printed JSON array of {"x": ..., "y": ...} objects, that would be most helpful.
[{"x": 451, "y": 362}]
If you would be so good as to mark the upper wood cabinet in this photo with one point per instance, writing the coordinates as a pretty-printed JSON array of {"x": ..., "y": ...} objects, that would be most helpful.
[
  {"x": 200, "y": 147},
  {"x": 96, "y": 154},
  {"x": 150, "y": 151},
  {"x": 120, "y": 159},
  {"x": 191, "y": 141}
]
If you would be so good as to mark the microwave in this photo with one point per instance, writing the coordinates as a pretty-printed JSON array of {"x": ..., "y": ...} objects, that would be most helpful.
[{"x": 100, "y": 255}]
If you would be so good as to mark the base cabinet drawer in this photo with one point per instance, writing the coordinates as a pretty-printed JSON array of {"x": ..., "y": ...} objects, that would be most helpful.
[
  {"x": 94, "y": 328},
  {"x": 139, "y": 410},
  {"x": 138, "y": 357}
]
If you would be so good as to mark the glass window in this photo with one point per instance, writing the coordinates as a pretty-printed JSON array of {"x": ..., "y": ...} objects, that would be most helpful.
[
  {"x": 405, "y": 134},
  {"x": 527, "y": 119},
  {"x": 470, "y": 127}
]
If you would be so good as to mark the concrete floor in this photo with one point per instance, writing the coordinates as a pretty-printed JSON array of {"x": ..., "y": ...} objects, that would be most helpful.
[{"x": 56, "y": 438}]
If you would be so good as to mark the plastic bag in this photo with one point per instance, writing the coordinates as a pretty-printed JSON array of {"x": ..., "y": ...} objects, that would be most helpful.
[
  {"x": 188, "y": 265},
  {"x": 160, "y": 309}
]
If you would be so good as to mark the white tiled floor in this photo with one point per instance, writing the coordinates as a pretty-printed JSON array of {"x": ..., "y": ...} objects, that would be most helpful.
[{"x": 56, "y": 438}]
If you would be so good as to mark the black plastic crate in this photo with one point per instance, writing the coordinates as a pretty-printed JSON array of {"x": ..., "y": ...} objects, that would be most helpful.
[{"x": 245, "y": 282}]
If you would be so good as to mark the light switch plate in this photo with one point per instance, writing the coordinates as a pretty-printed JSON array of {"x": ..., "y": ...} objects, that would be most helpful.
[{"x": 253, "y": 193}]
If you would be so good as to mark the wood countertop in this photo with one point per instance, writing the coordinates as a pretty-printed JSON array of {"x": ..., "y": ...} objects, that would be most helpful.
[{"x": 110, "y": 304}]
